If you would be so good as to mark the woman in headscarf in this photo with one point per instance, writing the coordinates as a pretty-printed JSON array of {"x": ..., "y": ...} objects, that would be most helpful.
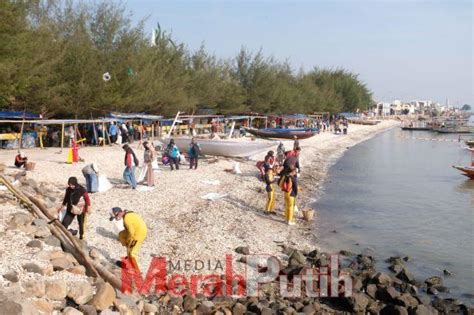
[
  {"x": 21, "y": 160},
  {"x": 77, "y": 203},
  {"x": 173, "y": 153},
  {"x": 130, "y": 162},
  {"x": 148, "y": 157}
]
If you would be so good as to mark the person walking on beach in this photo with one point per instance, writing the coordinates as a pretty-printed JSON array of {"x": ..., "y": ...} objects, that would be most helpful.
[
  {"x": 296, "y": 143},
  {"x": 131, "y": 162},
  {"x": 193, "y": 152},
  {"x": 91, "y": 174},
  {"x": 133, "y": 235},
  {"x": 289, "y": 185},
  {"x": 148, "y": 157},
  {"x": 77, "y": 203},
  {"x": 124, "y": 132},
  {"x": 280, "y": 158},
  {"x": 172, "y": 152},
  {"x": 270, "y": 188},
  {"x": 113, "y": 132}
]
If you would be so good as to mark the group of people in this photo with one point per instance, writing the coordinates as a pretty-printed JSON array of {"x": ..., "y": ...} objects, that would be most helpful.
[
  {"x": 76, "y": 204},
  {"x": 173, "y": 156},
  {"x": 285, "y": 166}
]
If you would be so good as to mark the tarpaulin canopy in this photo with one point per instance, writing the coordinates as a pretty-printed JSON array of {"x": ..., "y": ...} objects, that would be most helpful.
[
  {"x": 18, "y": 115},
  {"x": 135, "y": 116}
]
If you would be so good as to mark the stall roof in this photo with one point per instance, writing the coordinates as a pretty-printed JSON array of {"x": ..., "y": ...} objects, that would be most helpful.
[
  {"x": 295, "y": 116},
  {"x": 18, "y": 115},
  {"x": 134, "y": 116}
]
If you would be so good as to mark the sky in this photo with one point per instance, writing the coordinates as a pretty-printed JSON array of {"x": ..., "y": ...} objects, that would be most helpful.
[{"x": 402, "y": 49}]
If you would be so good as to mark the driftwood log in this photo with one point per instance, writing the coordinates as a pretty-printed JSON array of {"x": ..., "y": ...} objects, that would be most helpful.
[{"x": 68, "y": 241}]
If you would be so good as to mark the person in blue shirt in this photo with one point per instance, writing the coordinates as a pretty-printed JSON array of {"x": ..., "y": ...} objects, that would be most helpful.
[
  {"x": 193, "y": 153},
  {"x": 113, "y": 132},
  {"x": 172, "y": 152}
]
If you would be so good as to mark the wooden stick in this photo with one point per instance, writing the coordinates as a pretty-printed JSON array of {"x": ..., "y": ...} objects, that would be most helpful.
[{"x": 62, "y": 137}]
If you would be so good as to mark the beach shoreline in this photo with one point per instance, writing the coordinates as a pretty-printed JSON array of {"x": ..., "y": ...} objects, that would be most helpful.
[{"x": 182, "y": 225}]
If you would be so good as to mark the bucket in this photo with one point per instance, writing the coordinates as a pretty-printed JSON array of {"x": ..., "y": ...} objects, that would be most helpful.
[
  {"x": 308, "y": 214},
  {"x": 30, "y": 166}
]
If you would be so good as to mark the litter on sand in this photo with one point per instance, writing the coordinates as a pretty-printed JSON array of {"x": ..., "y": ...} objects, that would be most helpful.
[
  {"x": 213, "y": 196},
  {"x": 145, "y": 188},
  {"x": 104, "y": 183},
  {"x": 211, "y": 182}
]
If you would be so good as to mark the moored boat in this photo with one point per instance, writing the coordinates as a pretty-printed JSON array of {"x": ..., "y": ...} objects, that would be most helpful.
[
  {"x": 283, "y": 133},
  {"x": 223, "y": 147},
  {"x": 460, "y": 129},
  {"x": 470, "y": 143},
  {"x": 467, "y": 170}
]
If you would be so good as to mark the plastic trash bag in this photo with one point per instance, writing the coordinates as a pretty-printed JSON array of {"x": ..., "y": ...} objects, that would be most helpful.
[
  {"x": 118, "y": 226},
  {"x": 142, "y": 175},
  {"x": 104, "y": 183},
  {"x": 236, "y": 168},
  {"x": 182, "y": 159},
  {"x": 213, "y": 196}
]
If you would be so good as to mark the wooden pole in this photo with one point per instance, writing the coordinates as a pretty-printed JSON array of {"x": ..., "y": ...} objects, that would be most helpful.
[
  {"x": 62, "y": 137},
  {"x": 104, "y": 133},
  {"x": 172, "y": 125},
  {"x": 21, "y": 131}
]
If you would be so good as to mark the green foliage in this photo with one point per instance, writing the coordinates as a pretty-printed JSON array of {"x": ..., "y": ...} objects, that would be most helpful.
[
  {"x": 466, "y": 107},
  {"x": 53, "y": 54}
]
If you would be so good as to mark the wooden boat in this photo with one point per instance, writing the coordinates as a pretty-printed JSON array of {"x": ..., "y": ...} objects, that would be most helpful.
[
  {"x": 223, "y": 147},
  {"x": 365, "y": 122},
  {"x": 460, "y": 129},
  {"x": 282, "y": 133},
  {"x": 417, "y": 128},
  {"x": 467, "y": 170}
]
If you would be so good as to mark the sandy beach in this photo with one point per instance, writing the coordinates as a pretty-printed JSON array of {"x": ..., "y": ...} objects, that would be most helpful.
[{"x": 182, "y": 225}]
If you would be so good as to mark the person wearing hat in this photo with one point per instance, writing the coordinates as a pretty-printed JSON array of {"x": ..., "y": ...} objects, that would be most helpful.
[
  {"x": 91, "y": 174},
  {"x": 77, "y": 203},
  {"x": 21, "y": 160},
  {"x": 134, "y": 233}
]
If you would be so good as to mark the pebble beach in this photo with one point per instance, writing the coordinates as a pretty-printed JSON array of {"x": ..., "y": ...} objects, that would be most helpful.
[{"x": 183, "y": 225}]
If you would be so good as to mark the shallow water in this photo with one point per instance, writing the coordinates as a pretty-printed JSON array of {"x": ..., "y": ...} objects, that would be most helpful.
[{"x": 396, "y": 196}]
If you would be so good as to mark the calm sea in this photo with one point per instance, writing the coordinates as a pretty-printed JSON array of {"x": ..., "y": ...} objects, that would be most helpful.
[{"x": 400, "y": 197}]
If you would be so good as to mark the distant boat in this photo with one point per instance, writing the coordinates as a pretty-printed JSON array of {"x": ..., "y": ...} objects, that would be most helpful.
[
  {"x": 223, "y": 147},
  {"x": 458, "y": 129},
  {"x": 364, "y": 122},
  {"x": 283, "y": 133},
  {"x": 417, "y": 128}
]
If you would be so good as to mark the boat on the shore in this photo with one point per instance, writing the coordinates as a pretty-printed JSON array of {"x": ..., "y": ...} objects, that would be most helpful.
[
  {"x": 223, "y": 147},
  {"x": 365, "y": 122},
  {"x": 283, "y": 133},
  {"x": 417, "y": 128}
]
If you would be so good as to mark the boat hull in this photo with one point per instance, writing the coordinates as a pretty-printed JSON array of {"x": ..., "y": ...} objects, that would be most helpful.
[
  {"x": 417, "y": 128},
  {"x": 467, "y": 171},
  {"x": 226, "y": 148},
  {"x": 283, "y": 133}
]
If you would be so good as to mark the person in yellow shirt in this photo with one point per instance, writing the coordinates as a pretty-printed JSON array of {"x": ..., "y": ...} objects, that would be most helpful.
[
  {"x": 134, "y": 233},
  {"x": 289, "y": 185},
  {"x": 270, "y": 188}
]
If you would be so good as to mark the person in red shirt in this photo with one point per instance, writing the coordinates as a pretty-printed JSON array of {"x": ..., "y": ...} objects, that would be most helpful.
[
  {"x": 77, "y": 196},
  {"x": 21, "y": 160}
]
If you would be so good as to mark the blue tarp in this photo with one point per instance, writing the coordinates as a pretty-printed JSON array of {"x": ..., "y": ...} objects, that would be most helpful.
[
  {"x": 18, "y": 115},
  {"x": 142, "y": 116}
]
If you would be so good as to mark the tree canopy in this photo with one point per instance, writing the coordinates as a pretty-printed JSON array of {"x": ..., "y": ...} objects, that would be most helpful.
[{"x": 53, "y": 54}]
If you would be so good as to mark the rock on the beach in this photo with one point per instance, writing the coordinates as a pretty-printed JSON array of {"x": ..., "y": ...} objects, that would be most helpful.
[
  {"x": 244, "y": 250},
  {"x": 78, "y": 270},
  {"x": 382, "y": 278},
  {"x": 11, "y": 276},
  {"x": 239, "y": 309},
  {"x": 359, "y": 302},
  {"x": 104, "y": 297},
  {"x": 297, "y": 258},
  {"x": 88, "y": 309},
  {"x": 43, "y": 306},
  {"x": 81, "y": 292},
  {"x": 150, "y": 308},
  {"x": 35, "y": 268},
  {"x": 189, "y": 303},
  {"x": 34, "y": 288},
  {"x": 406, "y": 276},
  {"x": 56, "y": 289},
  {"x": 39, "y": 222},
  {"x": 71, "y": 311},
  {"x": 34, "y": 244},
  {"x": 423, "y": 310},
  {"x": 42, "y": 232},
  {"x": 387, "y": 294},
  {"x": 61, "y": 263},
  {"x": 406, "y": 300},
  {"x": 51, "y": 240},
  {"x": 434, "y": 281},
  {"x": 394, "y": 310},
  {"x": 20, "y": 219}
]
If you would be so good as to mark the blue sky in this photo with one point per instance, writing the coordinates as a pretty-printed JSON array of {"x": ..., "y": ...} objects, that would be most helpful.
[{"x": 401, "y": 49}]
